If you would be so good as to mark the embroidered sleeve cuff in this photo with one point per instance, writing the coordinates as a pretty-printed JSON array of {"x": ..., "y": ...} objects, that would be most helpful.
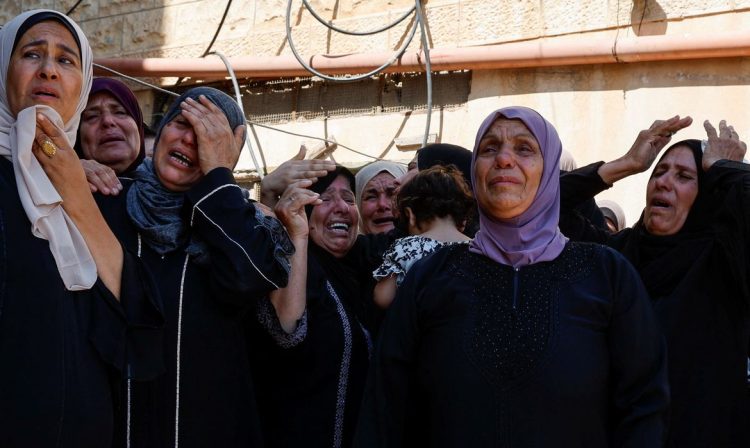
[
  {"x": 283, "y": 246},
  {"x": 268, "y": 319}
]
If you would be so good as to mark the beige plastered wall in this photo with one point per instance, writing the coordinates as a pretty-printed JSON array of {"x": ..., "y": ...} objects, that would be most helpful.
[{"x": 597, "y": 109}]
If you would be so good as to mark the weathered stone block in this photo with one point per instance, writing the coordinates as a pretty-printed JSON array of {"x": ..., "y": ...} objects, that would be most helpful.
[
  {"x": 568, "y": 16},
  {"x": 84, "y": 11},
  {"x": 442, "y": 24},
  {"x": 146, "y": 30},
  {"x": 116, "y": 7},
  {"x": 343, "y": 43},
  {"x": 485, "y": 22},
  {"x": 105, "y": 36},
  {"x": 9, "y": 9}
]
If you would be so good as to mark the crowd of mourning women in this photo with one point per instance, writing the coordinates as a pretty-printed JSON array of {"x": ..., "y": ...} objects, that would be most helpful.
[{"x": 472, "y": 299}]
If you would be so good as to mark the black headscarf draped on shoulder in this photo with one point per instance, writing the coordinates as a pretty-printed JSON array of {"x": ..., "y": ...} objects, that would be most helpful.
[{"x": 664, "y": 261}]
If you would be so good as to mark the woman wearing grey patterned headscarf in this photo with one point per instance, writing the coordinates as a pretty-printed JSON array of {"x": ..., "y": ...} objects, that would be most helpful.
[{"x": 214, "y": 253}]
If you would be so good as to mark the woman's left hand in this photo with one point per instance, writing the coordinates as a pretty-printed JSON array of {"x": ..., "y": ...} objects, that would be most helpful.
[
  {"x": 291, "y": 208},
  {"x": 63, "y": 168},
  {"x": 724, "y": 145},
  {"x": 218, "y": 145}
]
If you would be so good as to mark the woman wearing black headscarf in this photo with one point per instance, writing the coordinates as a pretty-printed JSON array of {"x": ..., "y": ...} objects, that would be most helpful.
[
  {"x": 690, "y": 249},
  {"x": 77, "y": 312},
  {"x": 311, "y": 350},
  {"x": 110, "y": 139},
  {"x": 214, "y": 253}
]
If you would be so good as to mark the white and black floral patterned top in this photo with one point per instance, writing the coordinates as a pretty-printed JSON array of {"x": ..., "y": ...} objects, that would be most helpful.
[{"x": 404, "y": 252}]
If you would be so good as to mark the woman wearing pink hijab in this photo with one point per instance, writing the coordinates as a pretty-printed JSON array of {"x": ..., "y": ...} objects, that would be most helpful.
[{"x": 522, "y": 338}]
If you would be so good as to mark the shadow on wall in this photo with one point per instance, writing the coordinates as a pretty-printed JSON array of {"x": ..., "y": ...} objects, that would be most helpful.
[{"x": 648, "y": 18}]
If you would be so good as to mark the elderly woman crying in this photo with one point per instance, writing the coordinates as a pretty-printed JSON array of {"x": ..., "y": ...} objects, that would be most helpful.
[{"x": 521, "y": 338}]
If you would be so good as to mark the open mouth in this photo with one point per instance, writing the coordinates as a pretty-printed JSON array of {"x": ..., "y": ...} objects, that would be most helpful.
[
  {"x": 339, "y": 227},
  {"x": 383, "y": 221},
  {"x": 660, "y": 203},
  {"x": 181, "y": 158}
]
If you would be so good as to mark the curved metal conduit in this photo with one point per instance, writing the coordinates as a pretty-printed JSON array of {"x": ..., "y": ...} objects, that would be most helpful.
[
  {"x": 419, "y": 21},
  {"x": 283, "y": 131},
  {"x": 238, "y": 96}
]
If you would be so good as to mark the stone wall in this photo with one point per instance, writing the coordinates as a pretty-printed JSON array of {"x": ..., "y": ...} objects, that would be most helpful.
[
  {"x": 183, "y": 28},
  {"x": 598, "y": 109}
]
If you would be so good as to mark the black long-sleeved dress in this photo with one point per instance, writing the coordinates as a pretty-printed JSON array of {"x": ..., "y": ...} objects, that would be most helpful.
[
  {"x": 474, "y": 353},
  {"x": 62, "y": 353},
  {"x": 698, "y": 283},
  {"x": 310, "y": 382},
  {"x": 206, "y": 398}
]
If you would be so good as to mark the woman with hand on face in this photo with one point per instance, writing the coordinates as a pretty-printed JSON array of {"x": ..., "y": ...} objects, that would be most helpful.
[
  {"x": 522, "y": 338},
  {"x": 311, "y": 349},
  {"x": 690, "y": 249},
  {"x": 77, "y": 312},
  {"x": 111, "y": 136},
  {"x": 214, "y": 253}
]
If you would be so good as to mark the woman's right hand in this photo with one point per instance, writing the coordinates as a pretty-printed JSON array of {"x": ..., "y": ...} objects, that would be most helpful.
[
  {"x": 651, "y": 141},
  {"x": 644, "y": 150},
  {"x": 101, "y": 177},
  {"x": 291, "y": 171},
  {"x": 291, "y": 208},
  {"x": 724, "y": 145}
]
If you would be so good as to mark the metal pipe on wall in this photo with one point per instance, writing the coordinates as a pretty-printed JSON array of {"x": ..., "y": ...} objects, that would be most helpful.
[{"x": 537, "y": 53}]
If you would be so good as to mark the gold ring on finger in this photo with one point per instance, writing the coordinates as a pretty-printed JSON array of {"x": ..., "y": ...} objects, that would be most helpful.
[{"x": 48, "y": 147}]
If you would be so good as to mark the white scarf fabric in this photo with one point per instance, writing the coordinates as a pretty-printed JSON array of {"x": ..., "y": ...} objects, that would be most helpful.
[{"x": 40, "y": 200}]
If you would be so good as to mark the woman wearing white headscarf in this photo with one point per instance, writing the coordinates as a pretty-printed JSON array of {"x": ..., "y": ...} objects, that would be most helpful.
[
  {"x": 73, "y": 304},
  {"x": 375, "y": 191}
]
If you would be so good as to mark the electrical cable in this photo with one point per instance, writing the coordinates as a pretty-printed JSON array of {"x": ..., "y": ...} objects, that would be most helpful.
[
  {"x": 419, "y": 21},
  {"x": 135, "y": 80},
  {"x": 357, "y": 33},
  {"x": 73, "y": 8},
  {"x": 315, "y": 138},
  {"x": 213, "y": 39},
  {"x": 238, "y": 96},
  {"x": 248, "y": 121},
  {"x": 345, "y": 78},
  {"x": 428, "y": 68}
]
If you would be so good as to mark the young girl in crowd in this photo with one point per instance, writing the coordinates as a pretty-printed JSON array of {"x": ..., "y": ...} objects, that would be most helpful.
[{"x": 433, "y": 206}]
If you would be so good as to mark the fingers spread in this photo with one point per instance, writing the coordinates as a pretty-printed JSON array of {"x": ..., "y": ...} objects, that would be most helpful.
[{"x": 710, "y": 130}]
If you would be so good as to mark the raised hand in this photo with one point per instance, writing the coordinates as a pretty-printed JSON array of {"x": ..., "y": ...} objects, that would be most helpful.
[
  {"x": 646, "y": 147},
  {"x": 651, "y": 141},
  {"x": 64, "y": 170},
  {"x": 61, "y": 164},
  {"x": 218, "y": 144},
  {"x": 724, "y": 145},
  {"x": 291, "y": 171},
  {"x": 290, "y": 209}
]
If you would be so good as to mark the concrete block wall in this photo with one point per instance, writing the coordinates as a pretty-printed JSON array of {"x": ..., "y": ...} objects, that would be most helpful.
[
  {"x": 598, "y": 109},
  {"x": 184, "y": 28}
]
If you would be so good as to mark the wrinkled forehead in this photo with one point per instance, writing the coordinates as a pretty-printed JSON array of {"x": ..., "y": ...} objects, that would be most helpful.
[
  {"x": 382, "y": 180},
  {"x": 52, "y": 24},
  {"x": 515, "y": 127}
]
